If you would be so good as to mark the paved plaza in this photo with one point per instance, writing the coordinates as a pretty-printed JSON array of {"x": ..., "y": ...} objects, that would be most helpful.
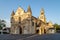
[{"x": 30, "y": 37}]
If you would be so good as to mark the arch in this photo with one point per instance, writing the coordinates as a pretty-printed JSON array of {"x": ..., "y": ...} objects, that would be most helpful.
[
  {"x": 20, "y": 30},
  {"x": 44, "y": 31},
  {"x": 37, "y": 31}
]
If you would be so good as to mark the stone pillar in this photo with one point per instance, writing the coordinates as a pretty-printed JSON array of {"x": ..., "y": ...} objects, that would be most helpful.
[{"x": 40, "y": 31}]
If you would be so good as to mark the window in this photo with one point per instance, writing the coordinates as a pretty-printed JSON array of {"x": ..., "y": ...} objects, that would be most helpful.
[
  {"x": 36, "y": 24},
  {"x": 32, "y": 23}
]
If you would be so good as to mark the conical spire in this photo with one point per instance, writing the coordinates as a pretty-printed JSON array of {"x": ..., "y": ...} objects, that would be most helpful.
[
  {"x": 12, "y": 13},
  {"x": 29, "y": 9}
]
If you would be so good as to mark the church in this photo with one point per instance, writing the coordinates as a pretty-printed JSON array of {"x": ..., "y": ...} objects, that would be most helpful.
[{"x": 23, "y": 22}]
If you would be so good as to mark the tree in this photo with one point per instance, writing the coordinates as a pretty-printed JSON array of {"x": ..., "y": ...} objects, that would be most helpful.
[
  {"x": 2, "y": 24},
  {"x": 57, "y": 26}
]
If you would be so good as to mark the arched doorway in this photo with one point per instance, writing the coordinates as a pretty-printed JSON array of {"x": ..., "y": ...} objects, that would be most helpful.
[
  {"x": 20, "y": 30},
  {"x": 37, "y": 31},
  {"x": 44, "y": 31}
]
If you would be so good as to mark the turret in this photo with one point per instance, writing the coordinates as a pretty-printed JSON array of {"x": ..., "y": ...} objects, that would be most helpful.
[{"x": 42, "y": 16}]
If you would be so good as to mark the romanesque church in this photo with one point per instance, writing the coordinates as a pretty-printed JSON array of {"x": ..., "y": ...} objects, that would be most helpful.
[{"x": 23, "y": 22}]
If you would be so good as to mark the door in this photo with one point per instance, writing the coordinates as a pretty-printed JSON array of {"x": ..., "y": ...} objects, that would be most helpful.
[{"x": 20, "y": 30}]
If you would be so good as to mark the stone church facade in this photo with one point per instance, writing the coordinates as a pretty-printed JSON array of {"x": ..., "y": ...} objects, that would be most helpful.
[{"x": 23, "y": 22}]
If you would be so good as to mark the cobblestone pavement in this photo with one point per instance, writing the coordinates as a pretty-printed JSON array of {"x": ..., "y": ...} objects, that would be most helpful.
[{"x": 30, "y": 37}]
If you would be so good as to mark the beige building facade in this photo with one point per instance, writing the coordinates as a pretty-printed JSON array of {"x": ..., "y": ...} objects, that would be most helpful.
[{"x": 22, "y": 22}]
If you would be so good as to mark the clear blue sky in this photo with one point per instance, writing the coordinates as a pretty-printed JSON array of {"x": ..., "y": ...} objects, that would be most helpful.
[{"x": 51, "y": 7}]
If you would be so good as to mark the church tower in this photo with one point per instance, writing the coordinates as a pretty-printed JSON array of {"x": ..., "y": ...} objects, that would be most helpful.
[{"x": 42, "y": 16}]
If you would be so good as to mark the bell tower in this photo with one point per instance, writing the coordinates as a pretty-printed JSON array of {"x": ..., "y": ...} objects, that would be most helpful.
[{"x": 42, "y": 16}]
